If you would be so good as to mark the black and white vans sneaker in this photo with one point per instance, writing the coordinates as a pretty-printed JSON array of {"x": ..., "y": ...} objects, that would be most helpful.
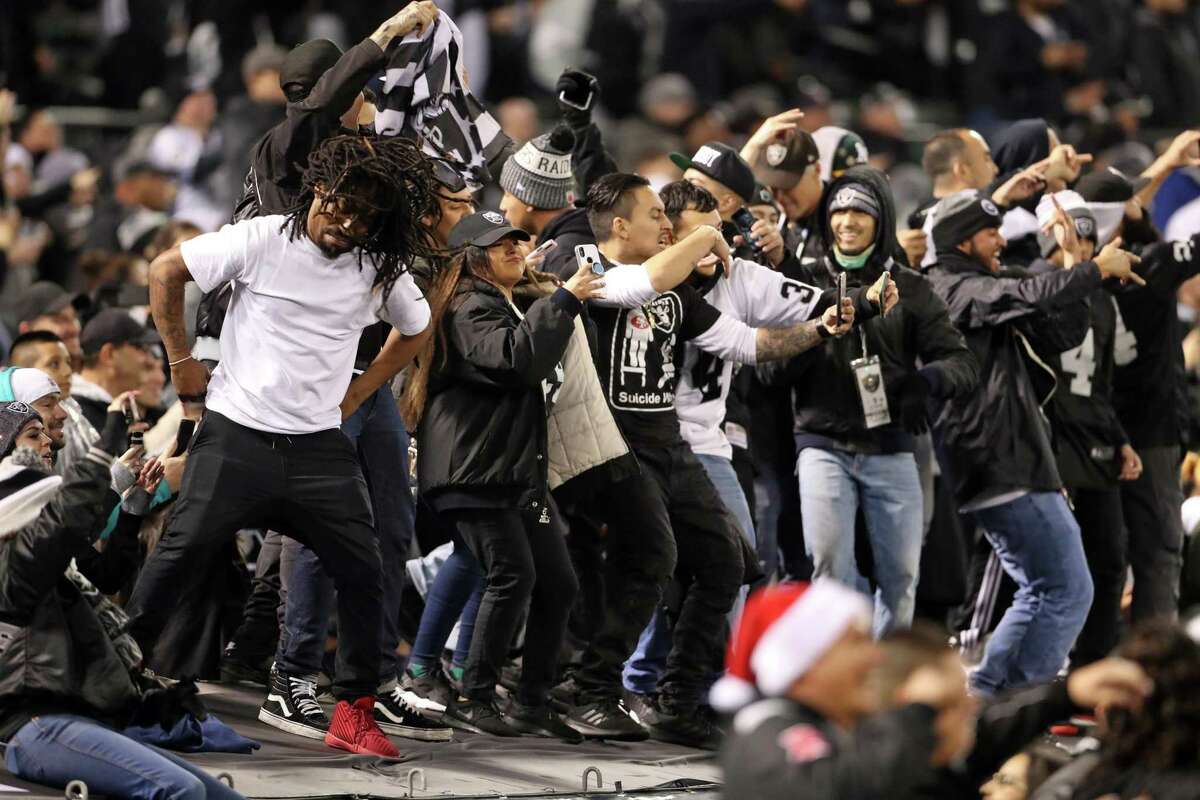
[
  {"x": 396, "y": 716},
  {"x": 292, "y": 706}
]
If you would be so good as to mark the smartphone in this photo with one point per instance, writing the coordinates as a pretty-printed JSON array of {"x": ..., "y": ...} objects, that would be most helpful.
[
  {"x": 542, "y": 249},
  {"x": 883, "y": 287},
  {"x": 744, "y": 221},
  {"x": 588, "y": 255},
  {"x": 183, "y": 437},
  {"x": 577, "y": 101},
  {"x": 132, "y": 416},
  {"x": 841, "y": 295}
]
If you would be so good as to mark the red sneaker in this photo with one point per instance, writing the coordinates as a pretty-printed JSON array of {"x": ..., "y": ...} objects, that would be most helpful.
[{"x": 354, "y": 728}]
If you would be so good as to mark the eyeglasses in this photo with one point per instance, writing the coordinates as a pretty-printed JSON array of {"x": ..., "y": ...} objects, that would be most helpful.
[{"x": 448, "y": 176}]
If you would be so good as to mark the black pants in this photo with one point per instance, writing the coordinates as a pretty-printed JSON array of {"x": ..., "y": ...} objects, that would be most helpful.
[
  {"x": 1098, "y": 512},
  {"x": 309, "y": 487},
  {"x": 262, "y": 616},
  {"x": 527, "y": 567},
  {"x": 1151, "y": 505},
  {"x": 669, "y": 516}
]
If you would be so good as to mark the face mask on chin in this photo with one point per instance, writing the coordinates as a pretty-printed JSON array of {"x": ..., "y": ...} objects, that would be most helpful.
[{"x": 852, "y": 262}]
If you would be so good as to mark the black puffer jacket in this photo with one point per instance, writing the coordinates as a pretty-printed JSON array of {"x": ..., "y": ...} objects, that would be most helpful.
[
  {"x": 827, "y": 405},
  {"x": 55, "y": 656},
  {"x": 997, "y": 438},
  {"x": 484, "y": 424}
]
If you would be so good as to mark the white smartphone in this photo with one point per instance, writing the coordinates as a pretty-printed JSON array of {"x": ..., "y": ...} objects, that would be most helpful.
[{"x": 588, "y": 255}]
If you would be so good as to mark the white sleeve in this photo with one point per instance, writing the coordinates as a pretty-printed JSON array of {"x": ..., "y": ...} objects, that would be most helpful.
[
  {"x": 773, "y": 301},
  {"x": 729, "y": 339},
  {"x": 626, "y": 286},
  {"x": 406, "y": 308},
  {"x": 215, "y": 259}
]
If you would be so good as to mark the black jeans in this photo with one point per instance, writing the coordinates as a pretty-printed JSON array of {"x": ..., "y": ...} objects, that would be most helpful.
[
  {"x": 256, "y": 637},
  {"x": 1098, "y": 512},
  {"x": 309, "y": 487},
  {"x": 1151, "y": 505},
  {"x": 669, "y": 517},
  {"x": 527, "y": 567}
]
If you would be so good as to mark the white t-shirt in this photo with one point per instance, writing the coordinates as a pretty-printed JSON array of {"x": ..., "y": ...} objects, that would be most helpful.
[
  {"x": 291, "y": 332},
  {"x": 759, "y": 297}
]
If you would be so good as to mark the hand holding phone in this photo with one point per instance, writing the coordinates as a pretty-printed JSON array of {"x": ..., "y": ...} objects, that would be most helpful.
[
  {"x": 841, "y": 295},
  {"x": 883, "y": 292},
  {"x": 132, "y": 417},
  {"x": 744, "y": 221}
]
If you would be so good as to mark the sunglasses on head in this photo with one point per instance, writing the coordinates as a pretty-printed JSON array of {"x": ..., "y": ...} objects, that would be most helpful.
[{"x": 448, "y": 176}]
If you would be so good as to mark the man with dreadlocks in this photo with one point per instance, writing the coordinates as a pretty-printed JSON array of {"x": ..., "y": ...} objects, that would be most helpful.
[{"x": 269, "y": 453}]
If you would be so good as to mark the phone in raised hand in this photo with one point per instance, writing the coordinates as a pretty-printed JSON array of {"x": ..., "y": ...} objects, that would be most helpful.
[
  {"x": 132, "y": 416},
  {"x": 883, "y": 290},
  {"x": 841, "y": 295},
  {"x": 588, "y": 255}
]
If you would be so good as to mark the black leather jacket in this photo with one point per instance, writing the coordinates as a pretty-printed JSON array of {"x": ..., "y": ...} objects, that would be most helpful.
[
  {"x": 55, "y": 656},
  {"x": 483, "y": 430}
]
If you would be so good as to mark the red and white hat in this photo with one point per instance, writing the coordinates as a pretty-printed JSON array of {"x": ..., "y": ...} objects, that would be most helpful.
[{"x": 783, "y": 631}]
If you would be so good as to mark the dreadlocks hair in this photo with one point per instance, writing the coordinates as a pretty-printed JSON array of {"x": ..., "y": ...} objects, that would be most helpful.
[
  {"x": 387, "y": 179},
  {"x": 473, "y": 262}
]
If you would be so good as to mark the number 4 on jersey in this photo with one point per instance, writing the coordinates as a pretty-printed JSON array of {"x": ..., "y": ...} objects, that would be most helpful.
[{"x": 1080, "y": 364}]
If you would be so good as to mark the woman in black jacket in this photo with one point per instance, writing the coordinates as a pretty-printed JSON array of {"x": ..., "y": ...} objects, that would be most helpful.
[{"x": 482, "y": 394}]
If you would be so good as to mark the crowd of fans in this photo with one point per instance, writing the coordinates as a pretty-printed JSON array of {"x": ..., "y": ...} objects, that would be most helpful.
[{"x": 697, "y": 417}]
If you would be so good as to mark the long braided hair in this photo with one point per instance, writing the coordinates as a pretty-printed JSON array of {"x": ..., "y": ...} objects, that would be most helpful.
[
  {"x": 470, "y": 262},
  {"x": 388, "y": 178}
]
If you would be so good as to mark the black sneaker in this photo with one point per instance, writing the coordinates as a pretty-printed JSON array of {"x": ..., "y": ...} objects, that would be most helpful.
[
  {"x": 565, "y": 695},
  {"x": 471, "y": 715},
  {"x": 236, "y": 669},
  {"x": 394, "y": 715},
  {"x": 428, "y": 694},
  {"x": 605, "y": 719},
  {"x": 641, "y": 707},
  {"x": 690, "y": 728},
  {"x": 540, "y": 721},
  {"x": 292, "y": 706}
]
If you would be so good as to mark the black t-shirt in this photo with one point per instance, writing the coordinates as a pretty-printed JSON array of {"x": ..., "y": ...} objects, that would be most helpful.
[
  {"x": 638, "y": 353},
  {"x": 1149, "y": 384}
]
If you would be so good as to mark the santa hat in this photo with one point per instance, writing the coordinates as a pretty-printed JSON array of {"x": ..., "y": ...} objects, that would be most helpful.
[{"x": 783, "y": 631}]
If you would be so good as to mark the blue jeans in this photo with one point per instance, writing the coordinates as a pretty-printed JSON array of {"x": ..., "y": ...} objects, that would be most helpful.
[
  {"x": 833, "y": 485},
  {"x": 56, "y": 749},
  {"x": 1039, "y": 545},
  {"x": 379, "y": 436},
  {"x": 455, "y": 593},
  {"x": 649, "y": 660}
]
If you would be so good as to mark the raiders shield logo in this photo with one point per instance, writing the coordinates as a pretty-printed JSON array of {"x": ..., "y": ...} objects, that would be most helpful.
[
  {"x": 776, "y": 153},
  {"x": 493, "y": 217},
  {"x": 845, "y": 197},
  {"x": 1085, "y": 227},
  {"x": 870, "y": 383},
  {"x": 989, "y": 207}
]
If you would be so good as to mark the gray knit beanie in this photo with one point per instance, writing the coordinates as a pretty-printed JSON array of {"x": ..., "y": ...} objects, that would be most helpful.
[
  {"x": 13, "y": 417},
  {"x": 539, "y": 174}
]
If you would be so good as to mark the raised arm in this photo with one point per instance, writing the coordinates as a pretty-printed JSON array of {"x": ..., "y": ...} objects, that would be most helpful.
[{"x": 672, "y": 266}]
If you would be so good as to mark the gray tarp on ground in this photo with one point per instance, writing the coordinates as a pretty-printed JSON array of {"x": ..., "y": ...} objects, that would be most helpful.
[{"x": 471, "y": 766}]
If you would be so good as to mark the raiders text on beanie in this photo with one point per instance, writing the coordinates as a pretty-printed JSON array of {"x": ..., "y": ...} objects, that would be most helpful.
[{"x": 539, "y": 174}]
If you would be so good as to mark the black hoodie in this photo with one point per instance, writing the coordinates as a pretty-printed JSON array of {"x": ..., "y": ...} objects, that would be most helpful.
[{"x": 827, "y": 407}]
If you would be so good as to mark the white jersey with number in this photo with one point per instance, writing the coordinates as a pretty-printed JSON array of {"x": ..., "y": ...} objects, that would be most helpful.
[{"x": 759, "y": 297}]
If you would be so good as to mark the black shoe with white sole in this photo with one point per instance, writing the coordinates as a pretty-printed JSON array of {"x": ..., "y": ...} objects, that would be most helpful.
[
  {"x": 540, "y": 721},
  {"x": 396, "y": 716},
  {"x": 292, "y": 706},
  {"x": 477, "y": 717},
  {"x": 605, "y": 719}
]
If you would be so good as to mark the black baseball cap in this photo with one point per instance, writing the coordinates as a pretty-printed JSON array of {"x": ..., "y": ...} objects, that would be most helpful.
[
  {"x": 484, "y": 230},
  {"x": 724, "y": 165},
  {"x": 1109, "y": 186},
  {"x": 114, "y": 326},
  {"x": 782, "y": 164},
  {"x": 42, "y": 299}
]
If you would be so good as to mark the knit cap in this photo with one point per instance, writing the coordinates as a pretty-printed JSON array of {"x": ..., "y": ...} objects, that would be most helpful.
[
  {"x": 13, "y": 417},
  {"x": 539, "y": 174}
]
